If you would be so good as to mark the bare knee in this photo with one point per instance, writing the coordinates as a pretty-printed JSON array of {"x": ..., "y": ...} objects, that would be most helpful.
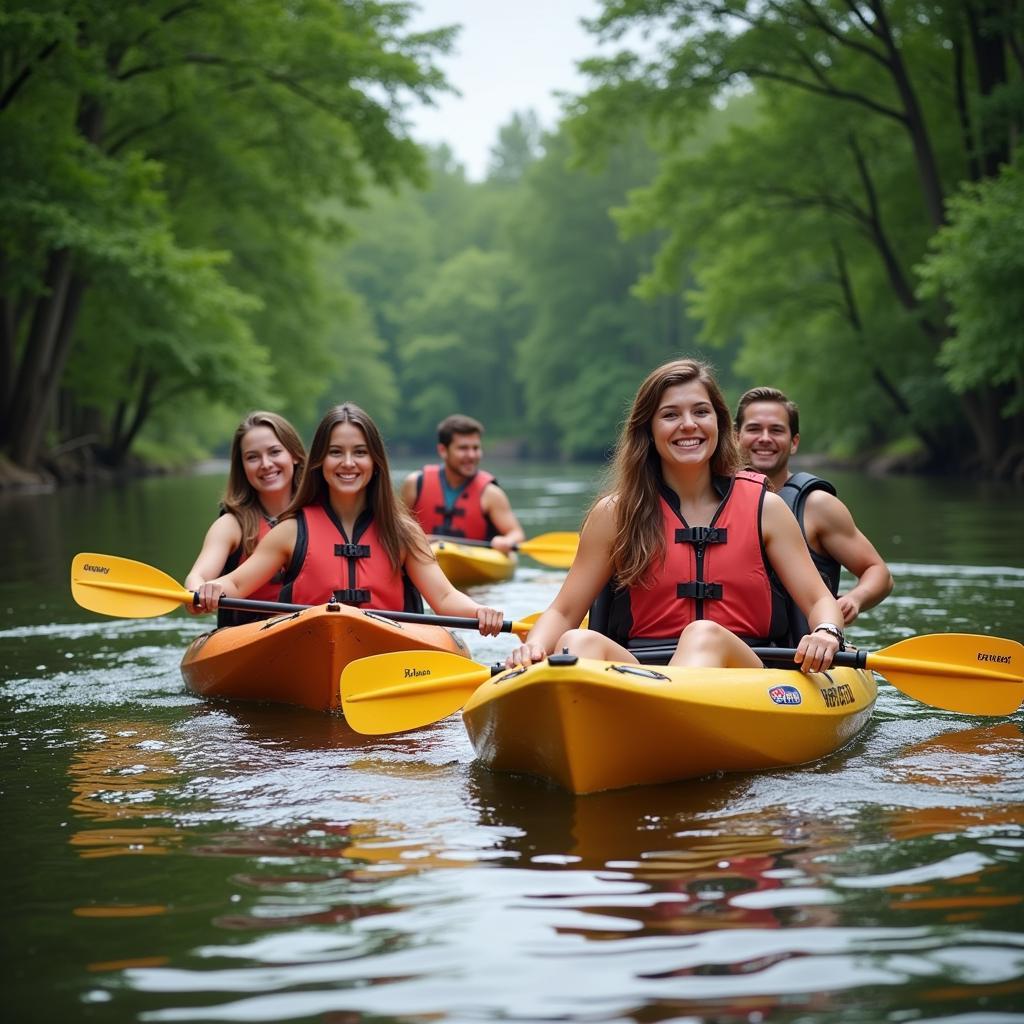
[
  {"x": 577, "y": 641},
  {"x": 587, "y": 643},
  {"x": 703, "y": 631},
  {"x": 710, "y": 645}
]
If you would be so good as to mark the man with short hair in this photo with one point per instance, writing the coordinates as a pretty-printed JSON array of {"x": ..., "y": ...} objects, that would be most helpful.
[
  {"x": 768, "y": 430},
  {"x": 457, "y": 498}
]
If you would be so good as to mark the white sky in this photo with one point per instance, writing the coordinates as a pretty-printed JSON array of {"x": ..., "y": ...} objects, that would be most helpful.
[{"x": 510, "y": 56}]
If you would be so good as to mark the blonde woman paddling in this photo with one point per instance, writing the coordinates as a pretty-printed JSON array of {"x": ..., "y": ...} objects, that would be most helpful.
[{"x": 266, "y": 460}]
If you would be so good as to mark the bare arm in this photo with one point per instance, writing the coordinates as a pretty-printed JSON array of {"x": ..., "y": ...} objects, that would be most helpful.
[
  {"x": 444, "y": 598},
  {"x": 831, "y": 529},
  {"x": 498, "y": 509},
  {"x": 272, "y": 554},
  {"x": 791, "y": 560},
  {"x": 589, "y": 573},
  {"x": 223, "y": 536},
  {"x": 407, "y": 492}
]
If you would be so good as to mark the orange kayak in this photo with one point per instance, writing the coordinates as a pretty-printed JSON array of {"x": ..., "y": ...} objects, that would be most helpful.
[{"x": 297, "y": 658}]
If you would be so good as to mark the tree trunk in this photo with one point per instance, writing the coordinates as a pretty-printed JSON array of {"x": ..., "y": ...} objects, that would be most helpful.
[
  {"x": 37, "y": 356},
  {"x": 917, "y": 129},
  {"x": 122, "y": 442},
  {"x": 26, "y": 444},
  {"x": 989, "y": 49}
]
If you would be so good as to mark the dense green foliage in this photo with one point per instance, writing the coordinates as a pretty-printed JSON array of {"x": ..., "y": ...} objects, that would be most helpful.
[
  {"x": 170, "y": 179},
  {"x": 805, "y": 223},
  {"x": 212, "y": 207}
]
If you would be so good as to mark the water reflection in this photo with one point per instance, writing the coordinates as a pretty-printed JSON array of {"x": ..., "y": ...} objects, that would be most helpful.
[
  {"x": 116, "y": 776},
  {"x": 231, "y": 863}
]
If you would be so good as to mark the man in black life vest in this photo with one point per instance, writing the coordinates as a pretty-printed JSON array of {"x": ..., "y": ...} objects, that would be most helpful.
[
  {"x": 457, "y": 498},
  {"x": 768, "y": 430}
]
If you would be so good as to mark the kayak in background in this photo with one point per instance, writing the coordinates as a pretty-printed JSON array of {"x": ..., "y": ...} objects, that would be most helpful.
[{"x": 468, "y": 565}]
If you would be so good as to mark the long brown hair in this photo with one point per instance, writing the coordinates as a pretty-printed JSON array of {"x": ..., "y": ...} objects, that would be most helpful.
[
  {"x": 241, "y": 499},
  {"x": 399, "y": 532},
  {"x": 636, "y": 468}
]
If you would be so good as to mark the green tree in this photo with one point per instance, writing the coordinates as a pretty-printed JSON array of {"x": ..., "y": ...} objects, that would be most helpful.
[
  {"x": 518, "y": 146},
  {"x": 592, "y": 339},
  {"x": 977, "y": 262},
  {"x": 177, "y": 158},
  {"x": 459, "y": 344},
  {"x": 804, "y": 230}
]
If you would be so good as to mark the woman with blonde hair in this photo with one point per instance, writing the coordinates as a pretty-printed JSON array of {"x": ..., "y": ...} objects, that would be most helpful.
[
  {"x": 693, "y": 550},
  {"x": 345, "y": 536},
  {"x": 266, "y": 460}
]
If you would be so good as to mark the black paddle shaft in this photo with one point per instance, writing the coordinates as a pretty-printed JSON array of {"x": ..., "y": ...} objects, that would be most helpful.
[
  {"x": 781, "y": 657},
  {"x": 243, "y": 604}
]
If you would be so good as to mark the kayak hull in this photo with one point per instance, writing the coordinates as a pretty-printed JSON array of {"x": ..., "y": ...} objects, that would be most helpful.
[
  {"x": 297, "y": 658},
  {"x": 597, "y": 725},
  {"x": 466, "y": 565}
]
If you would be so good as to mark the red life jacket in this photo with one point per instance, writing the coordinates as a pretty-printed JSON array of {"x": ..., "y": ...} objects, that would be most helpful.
[
  {"x": 269, "y": 591},
  {"x": 465, "y": 518},
  {"x": 326, "y": 566},
  {"x": 718, "y": 572}
]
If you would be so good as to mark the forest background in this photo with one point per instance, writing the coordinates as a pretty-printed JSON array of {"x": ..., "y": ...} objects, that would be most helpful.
[{"x": 208, "y": 206}]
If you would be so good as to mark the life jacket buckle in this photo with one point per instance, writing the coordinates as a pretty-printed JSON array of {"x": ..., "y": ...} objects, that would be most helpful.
[
  {"x": 702, "y": 535},
  {"x": 699, "y": 590},
  {"x": 357, "y": 595},
  {"x": 352, "y": 550}
]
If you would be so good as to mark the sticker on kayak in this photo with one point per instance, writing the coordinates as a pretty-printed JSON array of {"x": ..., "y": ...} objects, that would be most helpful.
[{"x": 785, "y": 695}]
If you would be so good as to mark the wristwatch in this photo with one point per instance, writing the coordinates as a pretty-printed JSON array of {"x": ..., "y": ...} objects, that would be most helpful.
[{"x": 834, "y": 630}]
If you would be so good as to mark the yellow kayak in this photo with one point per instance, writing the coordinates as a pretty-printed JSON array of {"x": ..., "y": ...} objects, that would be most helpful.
[
  {"x": 298, "y": 657},
  {"x": 471, "y": 565},
  {"x": 593, "y": 725}
]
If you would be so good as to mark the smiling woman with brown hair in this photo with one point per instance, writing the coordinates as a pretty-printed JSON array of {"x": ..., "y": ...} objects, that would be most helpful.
[
  {"x": 692, "y": 548},
  {"x": 266, "y": 460}
]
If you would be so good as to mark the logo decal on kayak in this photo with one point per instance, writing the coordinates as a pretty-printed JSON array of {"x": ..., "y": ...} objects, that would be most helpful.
[
  {"x": 415, "y": 673},
  {"x": 838, "y": 696},
  {"x": 785, "y": 695}
]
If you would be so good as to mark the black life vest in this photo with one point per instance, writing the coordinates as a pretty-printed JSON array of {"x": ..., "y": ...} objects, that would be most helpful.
[
  {"x": 269, "y": 591},
  {"x": 794, "y": 493}
]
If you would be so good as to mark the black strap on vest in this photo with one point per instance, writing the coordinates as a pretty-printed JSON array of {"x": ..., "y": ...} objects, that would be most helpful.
[
  {"x": 447, "y": 515},
  {"x": 702, "y": 535},
  {"x": 352, "y": 550},
  {"x": 699, "y": 590}
]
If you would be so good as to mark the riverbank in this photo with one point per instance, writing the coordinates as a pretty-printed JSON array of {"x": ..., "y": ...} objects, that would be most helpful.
[
  {"x": 71, "y": 468},
  {"x": 81, "y": 467}
]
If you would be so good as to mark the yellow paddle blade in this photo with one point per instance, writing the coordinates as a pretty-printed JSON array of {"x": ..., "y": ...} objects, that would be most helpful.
[
  {"x": 554, "y": 549},
  {"x": 407, "y": 689},
  {"x": 531, "y": 621},
  {"x": 974, "y": 675},
  {"x": 120, "y": 586}
]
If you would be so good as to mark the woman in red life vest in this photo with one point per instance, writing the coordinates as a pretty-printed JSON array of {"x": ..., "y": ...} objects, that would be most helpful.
[
  {"x": 345, "y": 536},
  {"x": 267, "y": 458},
  {"x": 693, "y": 547}
]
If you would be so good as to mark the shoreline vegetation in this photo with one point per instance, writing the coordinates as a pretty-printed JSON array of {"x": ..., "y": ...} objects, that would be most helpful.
[
  {"x": 824, "y": 202},
  {"x": 77, "y": 468}
]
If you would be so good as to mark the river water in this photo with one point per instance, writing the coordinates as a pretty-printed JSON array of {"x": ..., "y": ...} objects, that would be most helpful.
[{"x": 171, "y": 859}]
